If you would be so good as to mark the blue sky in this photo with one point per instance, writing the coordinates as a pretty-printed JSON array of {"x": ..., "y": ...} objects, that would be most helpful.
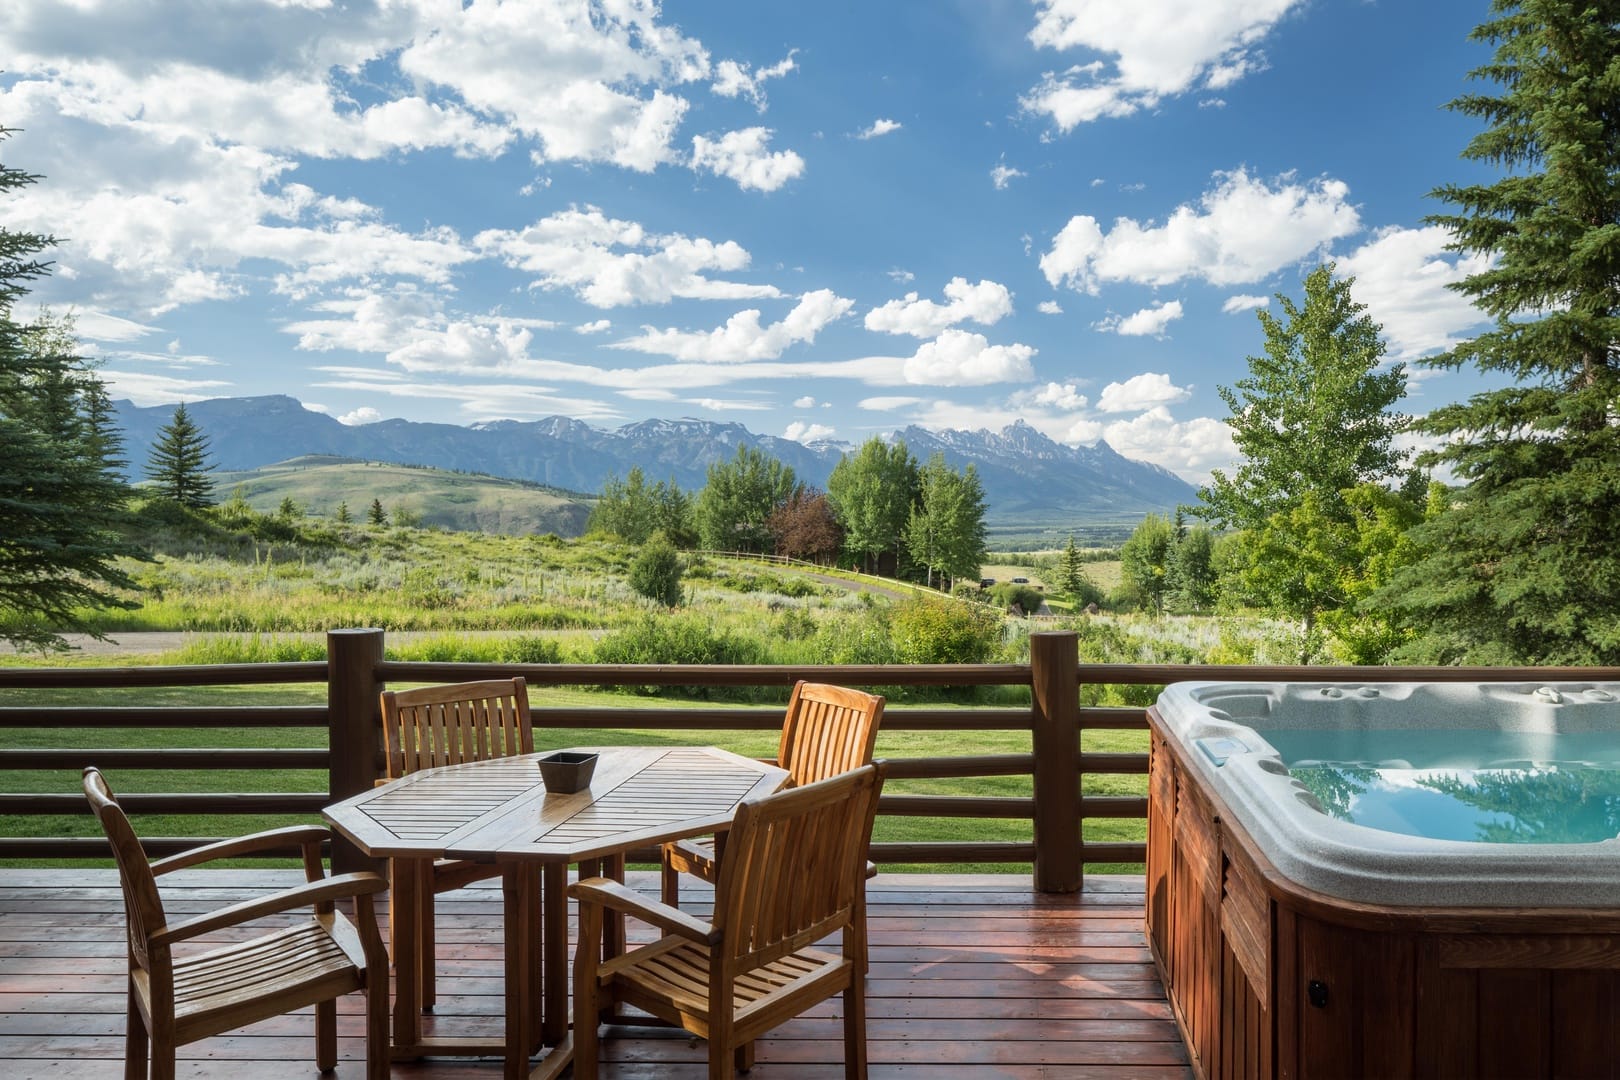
[{"x": 824, "y": 221}]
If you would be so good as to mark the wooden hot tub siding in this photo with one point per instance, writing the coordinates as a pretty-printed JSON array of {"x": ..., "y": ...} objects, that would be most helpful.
[{"x": 1271, "y": 980}]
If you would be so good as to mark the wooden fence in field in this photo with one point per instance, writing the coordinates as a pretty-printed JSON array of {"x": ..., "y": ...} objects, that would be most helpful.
[{"x": 345, "y": 736}]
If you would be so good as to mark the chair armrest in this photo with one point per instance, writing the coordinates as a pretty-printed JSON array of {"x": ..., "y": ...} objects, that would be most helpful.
[
  {"x": 292, "y": 836},
  {"x": 692, "y": 857},
  {"x": 299, "y": 896},
  {"x": 618, "y": 897}
]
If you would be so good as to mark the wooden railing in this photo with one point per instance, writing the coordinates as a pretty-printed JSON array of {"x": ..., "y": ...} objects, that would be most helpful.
[{"x": 345, "y": 736}]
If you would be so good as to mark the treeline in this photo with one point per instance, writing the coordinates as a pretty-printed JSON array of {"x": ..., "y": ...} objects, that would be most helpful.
[{"x": 882, "y": 512}]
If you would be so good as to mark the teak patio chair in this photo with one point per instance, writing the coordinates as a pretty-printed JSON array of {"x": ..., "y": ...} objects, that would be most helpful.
[
  {"x": 447, "y": 725},
  {"x": 825, "y": 731},
  {"x": 175, "y": 1000},
  {"x": 794, "y": 866}
]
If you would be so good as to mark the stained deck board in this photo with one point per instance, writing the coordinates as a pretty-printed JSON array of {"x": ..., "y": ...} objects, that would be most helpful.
[{"x": 973, "y": 976}]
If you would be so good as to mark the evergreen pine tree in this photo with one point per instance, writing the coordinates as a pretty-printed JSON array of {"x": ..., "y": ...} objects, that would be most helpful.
[
  {"x": 1523, "y": 567},
  {"x": 343, "y": 513},
  {"x": 62, "y": 498},
  {"x": 377, "y": 515},
  {"x": 179, "y": 462}
]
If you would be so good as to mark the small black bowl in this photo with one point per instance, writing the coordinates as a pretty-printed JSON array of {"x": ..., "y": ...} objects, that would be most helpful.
[{"x": 566, "y": 772}]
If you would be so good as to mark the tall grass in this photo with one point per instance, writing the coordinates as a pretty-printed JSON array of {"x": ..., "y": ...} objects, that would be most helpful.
[{"x": 534, "y": 600}]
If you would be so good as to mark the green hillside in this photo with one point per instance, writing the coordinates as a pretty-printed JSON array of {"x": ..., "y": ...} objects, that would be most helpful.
[{"x": 437, "y": 498}]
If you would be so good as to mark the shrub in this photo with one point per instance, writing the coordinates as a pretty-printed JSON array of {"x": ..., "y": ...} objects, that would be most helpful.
[
  {"x": 794, "y": 624},
  {"x": 1028, "y": 598},
  {"x": 530, "y": 649},
  {"x": 930, "y": 631},
  {"x": 861, "y": 639},
  {"x": 676, "y": 640},
  {"x": 656, "y": 571}
]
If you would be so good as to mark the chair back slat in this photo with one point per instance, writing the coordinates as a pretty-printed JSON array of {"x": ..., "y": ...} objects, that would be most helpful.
[
  {"x": 794, "y": 863},
  {"x": 827, "y": 730},
  {"x": 447, "y": 725},
  {"x": 142, "y": 902}
]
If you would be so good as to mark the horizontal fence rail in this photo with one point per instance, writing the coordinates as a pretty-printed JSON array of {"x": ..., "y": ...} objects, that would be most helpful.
[{"x": 343, "y": 745}]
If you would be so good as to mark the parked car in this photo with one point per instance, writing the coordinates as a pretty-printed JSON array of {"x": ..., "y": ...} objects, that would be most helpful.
[
  {"x": 986, "y": 582},
  {"x": 1020, "y": 581}
]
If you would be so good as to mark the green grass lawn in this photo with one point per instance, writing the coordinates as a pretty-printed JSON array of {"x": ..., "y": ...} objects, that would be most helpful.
[{"x": 892, "y": 743}]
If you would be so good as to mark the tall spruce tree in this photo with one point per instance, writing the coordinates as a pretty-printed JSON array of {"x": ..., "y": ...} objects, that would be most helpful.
[
  {"x": 1523, "y": 566},
  {"x": 62, "y": 498},
  {"x": 179, "y": 462}
]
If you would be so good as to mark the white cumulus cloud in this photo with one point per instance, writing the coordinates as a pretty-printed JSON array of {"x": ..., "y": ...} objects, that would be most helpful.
[
  {"x": 1242, "y": 302},
  {"x": 1155, "y": 48},
  {"x": 609, "y": 262},
  {"x": 1065, "y": 397},
  {"x": 878, "y": 128},
  {"x": 363, "y": 415},
  {"x": 799, "y": 431},
  {"x": 985, "y": 303},
  {"x": 734, "y": 78},
  {"x": 1189, "y": 448},
  {"x": 960, "y": 358},
  {"x": 1145, "y": 391},
  {"x": 1049, "y": 307},
  {"x": 744, "y": 337},
  {"x": 1402, "y": 276},
  {"x": 745, "y": 157},
  {"x": 1148, "y": 322},
  {"x": 1239, "y": 231},
  {"x": 1004, "y": 174}
]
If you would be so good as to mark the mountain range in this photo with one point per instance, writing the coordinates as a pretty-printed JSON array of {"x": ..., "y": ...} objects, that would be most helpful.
[{"x": 1025, "y": 474}]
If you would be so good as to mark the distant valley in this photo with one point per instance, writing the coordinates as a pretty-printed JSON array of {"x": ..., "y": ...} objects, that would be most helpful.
[{"x": 1037, "y": 490}]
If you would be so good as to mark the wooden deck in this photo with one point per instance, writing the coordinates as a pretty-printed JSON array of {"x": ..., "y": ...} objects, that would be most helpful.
[{"x": 972, "y": 976}]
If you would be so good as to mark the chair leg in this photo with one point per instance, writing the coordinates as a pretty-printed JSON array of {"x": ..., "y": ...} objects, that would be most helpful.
[
  {"x": 670, "y": 888},
  {"x": 135, "y": 1041},
  {"x": 855, "y": 1030},
  {"x": 613, "y": 925},
  {"x": 857, "y": 937},
  {"x": 743, "y": 1057},
  {"x": 587, "y": 993},
  {"x": 722, "y": 1062},
  {"x": 162, "y": 1060},
  {"x": 724, "y": 1053},
  {"x": 377, "y": 1049},
  {"x": 326, "y": 1035}
]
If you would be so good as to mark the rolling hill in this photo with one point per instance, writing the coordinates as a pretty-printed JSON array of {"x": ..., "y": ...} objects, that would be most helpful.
[{"x": 437, "y": 497}]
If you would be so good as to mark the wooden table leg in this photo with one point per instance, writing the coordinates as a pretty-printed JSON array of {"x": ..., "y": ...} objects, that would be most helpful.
[
  {"x": 406, "y": 915},
  {"x": 554, "y": 905},
  {"x": 521, "y": 893}
]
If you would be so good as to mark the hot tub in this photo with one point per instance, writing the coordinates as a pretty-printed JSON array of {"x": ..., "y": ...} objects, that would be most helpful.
[{"x": 1480, "y": 937}]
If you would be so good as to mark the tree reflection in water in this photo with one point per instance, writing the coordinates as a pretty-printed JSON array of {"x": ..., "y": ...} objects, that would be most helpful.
[
  {"x": 1544, "y": 804},
  {"x": 1540, "y": 804},
  {"x": 1335, "y": 785}
]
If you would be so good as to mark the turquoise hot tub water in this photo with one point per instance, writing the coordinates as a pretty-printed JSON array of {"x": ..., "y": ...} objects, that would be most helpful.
[
  {"x": 1480, "y": 786},
  {"x": 1407, "y": 794}
]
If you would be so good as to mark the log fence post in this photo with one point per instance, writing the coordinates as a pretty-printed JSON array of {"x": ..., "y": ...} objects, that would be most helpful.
[
  {"x": 355, "y": 727},
  {"x": 1054, "y": 672}
]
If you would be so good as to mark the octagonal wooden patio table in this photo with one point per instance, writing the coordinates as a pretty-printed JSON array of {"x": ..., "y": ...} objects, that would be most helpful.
[{"x": 499, "y": 811}]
